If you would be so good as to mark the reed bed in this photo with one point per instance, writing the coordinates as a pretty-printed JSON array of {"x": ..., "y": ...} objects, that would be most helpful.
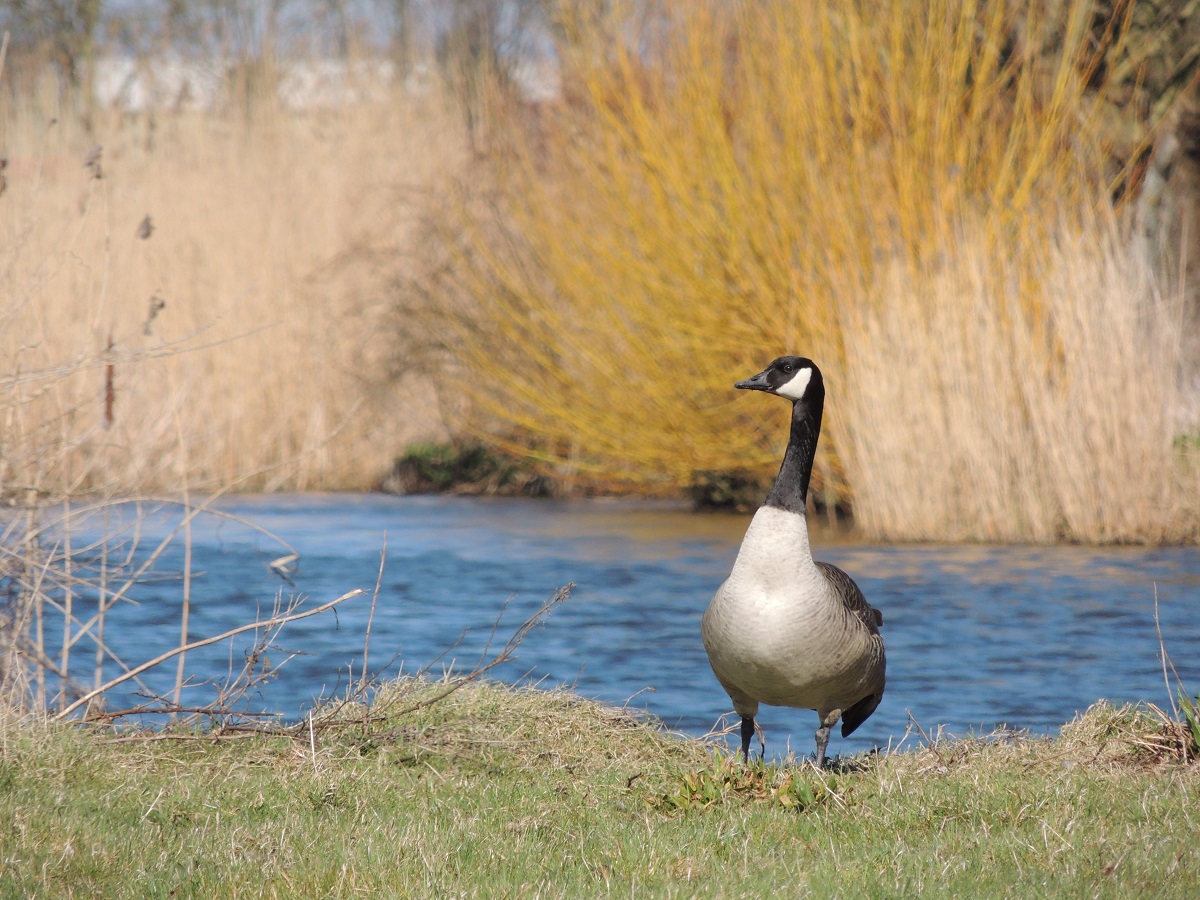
[
  {"x": 973, "y": 421},
  {"x": 201, "y": 298},
  {"x": 923, "y": 203}
]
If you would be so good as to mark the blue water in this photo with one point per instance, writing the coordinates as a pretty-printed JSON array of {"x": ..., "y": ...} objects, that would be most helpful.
[{"x": 977, "y": 637}]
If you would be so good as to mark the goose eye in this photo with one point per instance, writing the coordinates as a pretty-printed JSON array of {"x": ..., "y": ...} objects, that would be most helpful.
[{"x": 788, "y": 367}]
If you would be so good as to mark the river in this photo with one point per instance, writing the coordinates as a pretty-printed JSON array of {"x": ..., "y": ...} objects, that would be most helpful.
[{"x": 977, "y": 637}]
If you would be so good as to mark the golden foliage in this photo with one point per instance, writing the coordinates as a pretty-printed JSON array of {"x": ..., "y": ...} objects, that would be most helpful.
[{"x": 730, "y": 182}]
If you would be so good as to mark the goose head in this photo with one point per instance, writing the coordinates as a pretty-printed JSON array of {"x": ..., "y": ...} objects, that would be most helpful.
[{"x": 794, "y": 378}]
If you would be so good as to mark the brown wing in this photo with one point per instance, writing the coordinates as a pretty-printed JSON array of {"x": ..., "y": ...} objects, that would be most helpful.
[
  {"x": 859, "y": 712},
  {"x": 856, "y": 603}
]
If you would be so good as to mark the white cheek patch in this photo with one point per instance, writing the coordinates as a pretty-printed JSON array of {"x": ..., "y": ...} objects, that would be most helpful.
[{"x": 795, "y": 386}]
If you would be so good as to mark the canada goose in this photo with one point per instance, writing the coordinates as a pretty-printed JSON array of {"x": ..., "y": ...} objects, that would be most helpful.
[{"x": 783, "y": 629}]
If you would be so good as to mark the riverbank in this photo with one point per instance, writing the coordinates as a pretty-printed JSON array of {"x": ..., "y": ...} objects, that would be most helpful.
[{"x": 494, "y": 791}]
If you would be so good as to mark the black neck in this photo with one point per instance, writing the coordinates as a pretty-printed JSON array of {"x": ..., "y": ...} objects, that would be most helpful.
[{"x": 791, "y": 485}]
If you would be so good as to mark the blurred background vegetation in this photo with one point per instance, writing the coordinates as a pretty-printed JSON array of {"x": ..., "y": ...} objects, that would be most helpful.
[{"x": 272, "y": 245}]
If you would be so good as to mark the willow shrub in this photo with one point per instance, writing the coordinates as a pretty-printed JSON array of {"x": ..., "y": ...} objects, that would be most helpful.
[{"x": 724, "y": 183}]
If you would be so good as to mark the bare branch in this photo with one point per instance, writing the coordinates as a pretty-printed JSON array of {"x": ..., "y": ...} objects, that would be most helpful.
[
  {"x": 269, "y": 623},
  {"x": 506, "y": 654},
  {"x": 371, "y": 618}
]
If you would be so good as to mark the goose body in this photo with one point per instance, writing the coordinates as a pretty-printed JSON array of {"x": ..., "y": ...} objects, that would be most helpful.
[{"x": 784, "y": 629}]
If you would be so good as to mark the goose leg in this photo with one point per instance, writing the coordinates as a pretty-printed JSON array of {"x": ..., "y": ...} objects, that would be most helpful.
[
  {"x": 822, "y": 743},
  {"x": 827, "y": 722},
  {"x": 747, "y": 734}
]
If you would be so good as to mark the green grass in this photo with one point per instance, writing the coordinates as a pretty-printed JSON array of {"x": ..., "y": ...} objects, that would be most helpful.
[{"x": 500, "y": 792}]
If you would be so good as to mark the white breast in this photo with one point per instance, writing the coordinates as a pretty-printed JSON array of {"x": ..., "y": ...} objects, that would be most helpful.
[{"x": 778, "y": 633}]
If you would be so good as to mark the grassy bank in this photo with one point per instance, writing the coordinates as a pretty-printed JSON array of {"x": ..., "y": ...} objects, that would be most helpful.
[{"x": 501, "y": 792}]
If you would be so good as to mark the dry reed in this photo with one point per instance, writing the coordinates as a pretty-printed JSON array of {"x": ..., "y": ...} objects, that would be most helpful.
[
  {"x": 971, "y": 421},
  {"x": 207, "y": 292}
]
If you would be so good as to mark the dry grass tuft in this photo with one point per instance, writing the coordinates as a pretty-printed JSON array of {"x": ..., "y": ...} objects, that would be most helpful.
[
  {"x": 526, "y": 727},
  {"x": 1102, "y": 740},
  {"x": 1137, "y": 736}
]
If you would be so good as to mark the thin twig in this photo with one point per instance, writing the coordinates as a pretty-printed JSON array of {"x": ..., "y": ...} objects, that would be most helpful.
[
  {"x": 312, "y": 742},
  {"x": 163, "y": 657},
  {"x": 186, "y": 612},
  {"x": 1165, "y": 660},
  {"x": 928, "y": 740},
  {"x": 84, "y": 362},
  {"x": 100, "y": 608},
  {"x": 68, "y": 604},
  {"x": 371, "y": 616},
  {"x": 146, "y": 737},
  {"x": 329, "y": 719},
  {"x": 504, "y": 656},
  {"x": 154, "y": 708}
]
